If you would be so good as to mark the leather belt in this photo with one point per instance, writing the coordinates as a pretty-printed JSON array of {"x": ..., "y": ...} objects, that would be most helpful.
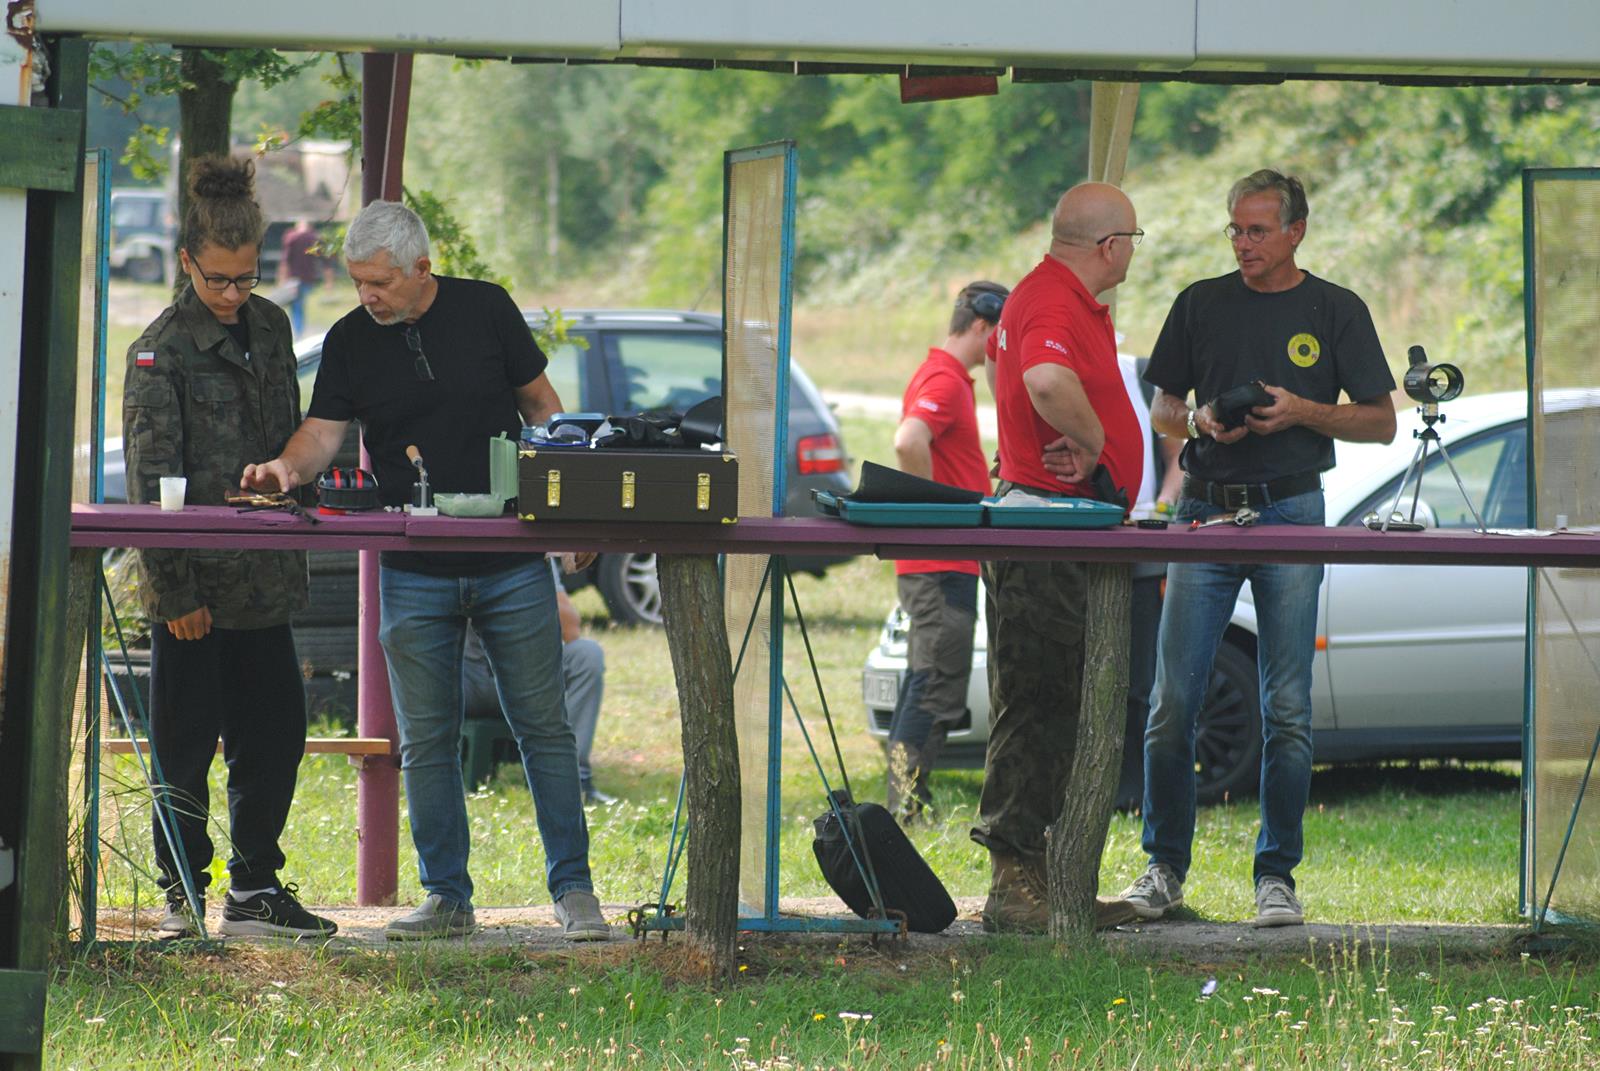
[{"x": 1253, "y": 495}]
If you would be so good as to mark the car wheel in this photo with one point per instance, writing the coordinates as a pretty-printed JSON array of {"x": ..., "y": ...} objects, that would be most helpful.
[
  {"x": 631, "y": 590},
  {"x": 1227, "y": 745},
  {"x": 147, "y": 269}
]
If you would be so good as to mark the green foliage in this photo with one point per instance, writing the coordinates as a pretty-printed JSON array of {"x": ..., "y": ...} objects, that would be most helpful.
[
  {"x": 155, "y": 71},
  {"x": 452, "y": 249},
  {"x": 322, "y": 100}
]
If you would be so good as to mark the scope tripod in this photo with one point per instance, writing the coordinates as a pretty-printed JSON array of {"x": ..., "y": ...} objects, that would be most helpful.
[{"x": 1429, "y": 434}]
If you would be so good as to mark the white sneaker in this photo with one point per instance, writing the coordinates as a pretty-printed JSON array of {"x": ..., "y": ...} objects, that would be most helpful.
[
  {"x": 1277, "y": 905},
  {"x": 1155, "y": 892},
  {"x": 579, "y": 914}
]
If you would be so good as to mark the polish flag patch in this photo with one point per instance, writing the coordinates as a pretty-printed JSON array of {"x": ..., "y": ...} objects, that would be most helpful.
[{"x": 145, "y": 359}]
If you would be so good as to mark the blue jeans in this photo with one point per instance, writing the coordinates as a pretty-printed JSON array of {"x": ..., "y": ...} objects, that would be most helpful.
[
  {"x": 422, "y": 625},
  {"x": 1199, "y": 603}
]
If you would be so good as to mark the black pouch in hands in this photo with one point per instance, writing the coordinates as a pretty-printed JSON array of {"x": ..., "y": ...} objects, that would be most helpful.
[
  {"x": 1231, "y": 407},
  {"x": 905, "y": 881}
]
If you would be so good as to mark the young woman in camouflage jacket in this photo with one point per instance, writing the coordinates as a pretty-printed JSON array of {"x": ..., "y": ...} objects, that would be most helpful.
[{"x": 210, "y": 386}]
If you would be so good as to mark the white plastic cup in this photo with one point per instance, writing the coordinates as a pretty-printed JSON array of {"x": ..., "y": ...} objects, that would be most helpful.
[{"x": 173, "y": 489}]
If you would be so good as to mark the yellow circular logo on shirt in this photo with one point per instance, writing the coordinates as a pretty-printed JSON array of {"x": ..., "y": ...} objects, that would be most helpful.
[{"x": 1304, "y": 349}]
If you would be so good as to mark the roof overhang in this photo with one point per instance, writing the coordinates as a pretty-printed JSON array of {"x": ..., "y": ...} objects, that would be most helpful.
[{"x": 1416, "y": 41}]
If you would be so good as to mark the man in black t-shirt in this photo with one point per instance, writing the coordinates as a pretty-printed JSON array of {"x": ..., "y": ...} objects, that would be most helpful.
[
  {"x": 445, "y": 365},
  {"x": 1306, "y": 342}
]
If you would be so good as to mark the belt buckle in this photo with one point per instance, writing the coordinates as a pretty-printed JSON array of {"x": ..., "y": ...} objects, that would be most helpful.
[{"x": 1235, "y": 496}]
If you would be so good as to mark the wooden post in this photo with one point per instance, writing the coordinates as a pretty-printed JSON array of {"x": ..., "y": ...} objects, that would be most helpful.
[
  {"x": 691, "y": 609},
  {"x": 385, "y": 106},
  {"x": 1112, "y": 106},
  {"x": 1079, "y": 835}
]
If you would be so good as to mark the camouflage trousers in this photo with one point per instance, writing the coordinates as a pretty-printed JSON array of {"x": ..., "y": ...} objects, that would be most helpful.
[{"x": 1036, "y": 637}]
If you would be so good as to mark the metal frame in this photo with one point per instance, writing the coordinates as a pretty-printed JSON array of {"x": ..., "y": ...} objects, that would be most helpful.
[
  {"x": 1540, "y": 913},
  {"x": 89, "y": 902},
  {"x": 773, "y": 586}
]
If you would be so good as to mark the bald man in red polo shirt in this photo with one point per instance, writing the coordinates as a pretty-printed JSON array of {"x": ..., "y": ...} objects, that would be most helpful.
[{"x": 1063, "y": 413}]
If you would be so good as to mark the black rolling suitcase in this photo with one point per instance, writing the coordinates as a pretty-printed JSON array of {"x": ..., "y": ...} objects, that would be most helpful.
[{"x": 905, "y": 881}]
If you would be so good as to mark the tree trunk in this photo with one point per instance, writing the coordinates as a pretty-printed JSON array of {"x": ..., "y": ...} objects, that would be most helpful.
[
  {"x": 205, "y": 116},
  {"x": 691, "y": 610},
  {"x": 1079, "y": 835},
  {"x": 552, "y": 210}
]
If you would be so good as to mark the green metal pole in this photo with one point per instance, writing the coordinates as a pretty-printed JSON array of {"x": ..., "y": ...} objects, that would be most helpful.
[{"x": 37, "y": 724}]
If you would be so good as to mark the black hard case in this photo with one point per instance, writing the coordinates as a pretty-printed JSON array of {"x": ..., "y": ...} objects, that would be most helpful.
[{"x": 651, "y": 486}]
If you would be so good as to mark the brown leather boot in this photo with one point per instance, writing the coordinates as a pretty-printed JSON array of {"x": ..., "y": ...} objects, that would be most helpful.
[
  {"x": 1019, "y": 899},
  {"x": 1018, "y": 902}
]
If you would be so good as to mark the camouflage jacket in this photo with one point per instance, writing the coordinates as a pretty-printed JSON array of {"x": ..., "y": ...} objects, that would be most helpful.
[{"x": 193, "y": 405}]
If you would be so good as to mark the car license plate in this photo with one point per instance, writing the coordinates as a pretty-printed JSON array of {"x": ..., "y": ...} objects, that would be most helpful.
[{"x": 880, "y": 689}]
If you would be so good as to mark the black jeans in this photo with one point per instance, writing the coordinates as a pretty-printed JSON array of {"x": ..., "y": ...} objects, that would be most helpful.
[{"x": 243, "y": 685}]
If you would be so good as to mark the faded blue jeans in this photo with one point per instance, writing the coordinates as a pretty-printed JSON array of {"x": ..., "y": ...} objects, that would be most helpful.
[
  {"x": 1199, "y": 603},
  {"x": 422, "y": 625}
]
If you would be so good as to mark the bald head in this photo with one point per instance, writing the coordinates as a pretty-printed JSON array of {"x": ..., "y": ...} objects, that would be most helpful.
[
  {"x": 1090, "y": 233},
  {"x": 1089, "y": 211}
]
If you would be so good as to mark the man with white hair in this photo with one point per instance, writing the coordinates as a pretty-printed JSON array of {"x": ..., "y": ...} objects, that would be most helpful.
[{"x": 444, "y": 365}]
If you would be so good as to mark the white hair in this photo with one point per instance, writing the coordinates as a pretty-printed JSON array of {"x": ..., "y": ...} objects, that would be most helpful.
[{"x": 387, "y": 227}]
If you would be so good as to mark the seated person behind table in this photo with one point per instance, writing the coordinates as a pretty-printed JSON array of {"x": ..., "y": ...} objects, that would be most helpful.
[{"x": 583, "y": 670}]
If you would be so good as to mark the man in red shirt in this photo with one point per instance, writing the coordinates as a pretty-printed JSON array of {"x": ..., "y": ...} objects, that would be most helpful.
[
  {"x": 938, "y": 440},
  {"x": 1058, "y": 391}
]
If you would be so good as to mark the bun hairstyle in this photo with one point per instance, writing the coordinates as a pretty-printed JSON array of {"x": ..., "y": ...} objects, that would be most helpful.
[{"x": 222, "y": 207}]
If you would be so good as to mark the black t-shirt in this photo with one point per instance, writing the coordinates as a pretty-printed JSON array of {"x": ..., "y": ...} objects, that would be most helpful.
[
  {"x": 240, "y": 333},
  {"x": 480, "y": 351},
  {"x": 1314, "y": 340}
]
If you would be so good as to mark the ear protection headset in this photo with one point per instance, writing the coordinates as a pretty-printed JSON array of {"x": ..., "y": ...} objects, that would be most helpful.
[
  {"x": 987, "y": 304},
  {"x": 346, "y": 490}
]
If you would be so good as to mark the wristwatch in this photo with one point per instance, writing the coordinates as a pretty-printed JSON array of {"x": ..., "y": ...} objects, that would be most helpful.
[{"x": 1194, "y": 430}]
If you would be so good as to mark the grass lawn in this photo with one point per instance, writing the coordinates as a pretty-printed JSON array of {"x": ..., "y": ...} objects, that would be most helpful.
[{"x": 1000, "y": 1004}]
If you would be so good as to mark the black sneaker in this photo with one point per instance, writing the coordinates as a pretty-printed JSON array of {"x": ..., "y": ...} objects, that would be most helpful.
[{"x": 272, "y": 914}]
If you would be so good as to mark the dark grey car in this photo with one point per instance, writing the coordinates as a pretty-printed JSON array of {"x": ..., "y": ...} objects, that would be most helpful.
[{"x": 620, "y": 362}]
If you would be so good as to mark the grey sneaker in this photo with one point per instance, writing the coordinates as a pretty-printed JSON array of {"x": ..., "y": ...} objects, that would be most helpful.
[
  {"x": 1277, "y": 905},
  {"x": 579, "y": 914},
  {"x": 1156, "y": 892},
  {"x": 436, "y": 917},
  {"x": 178, "y": 920}
]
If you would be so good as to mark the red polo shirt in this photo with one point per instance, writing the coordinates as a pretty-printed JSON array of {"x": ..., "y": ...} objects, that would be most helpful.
[
  {"x": 1050, "y": 318},
  {"x": 941, "y": 396}
]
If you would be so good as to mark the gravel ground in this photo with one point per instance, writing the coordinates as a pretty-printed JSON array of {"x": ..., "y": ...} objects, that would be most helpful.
[{"x": 1188, "y": 941}]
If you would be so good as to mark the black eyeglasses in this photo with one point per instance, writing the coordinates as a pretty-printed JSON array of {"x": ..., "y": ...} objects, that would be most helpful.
[
  {"x": 1135, "y": 236},
  {"x": 219, "y": 283},
  {"x": 413, "y": 339},
  {"x": 1256, "y": 233}
]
